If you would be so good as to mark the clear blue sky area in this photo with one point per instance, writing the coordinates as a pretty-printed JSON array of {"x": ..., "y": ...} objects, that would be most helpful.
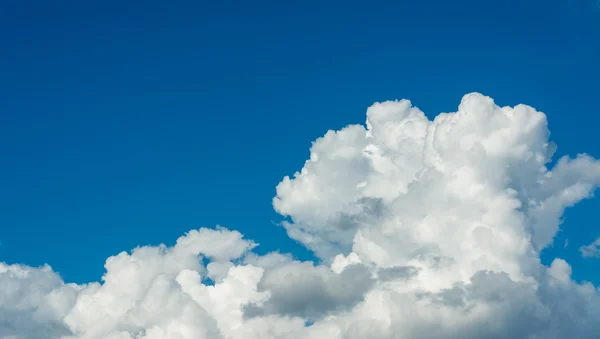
[{"x": 127, "y": 123}]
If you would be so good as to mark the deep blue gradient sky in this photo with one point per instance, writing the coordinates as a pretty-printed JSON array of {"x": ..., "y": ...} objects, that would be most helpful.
[{"x": 130, "y": 124}]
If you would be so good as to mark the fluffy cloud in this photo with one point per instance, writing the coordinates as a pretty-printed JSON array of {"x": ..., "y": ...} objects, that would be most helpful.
[
  {"x": 34, "y": 302},
  {"x": 425, "y": 229}
]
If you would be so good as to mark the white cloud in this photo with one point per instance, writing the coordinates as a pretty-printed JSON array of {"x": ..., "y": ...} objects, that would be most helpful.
[
  {"x": 592, "y": 250},
  {"x": 427, "y": 229},
  {"x": 33, "y": 302}
]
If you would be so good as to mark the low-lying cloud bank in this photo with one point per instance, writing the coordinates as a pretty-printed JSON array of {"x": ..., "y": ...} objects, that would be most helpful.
[{"x": 426, "y": 229}]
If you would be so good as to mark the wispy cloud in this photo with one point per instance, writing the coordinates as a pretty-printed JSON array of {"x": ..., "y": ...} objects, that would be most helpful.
[{"x": 592, "y": 250}]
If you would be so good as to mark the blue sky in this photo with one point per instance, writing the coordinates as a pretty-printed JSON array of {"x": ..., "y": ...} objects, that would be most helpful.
[{"x": 125, "y": 125}]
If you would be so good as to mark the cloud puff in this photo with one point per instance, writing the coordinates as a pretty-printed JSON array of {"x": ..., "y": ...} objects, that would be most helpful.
[
  {"x": 425, "y": 229},
  {"x": 34, "y": 302}
]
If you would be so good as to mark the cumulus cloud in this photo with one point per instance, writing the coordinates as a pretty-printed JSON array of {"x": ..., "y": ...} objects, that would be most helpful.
[
  {"x": 425, "y": 229},
  {"x": 34, "y": 302},
  {"x": 592, "y": 250}
]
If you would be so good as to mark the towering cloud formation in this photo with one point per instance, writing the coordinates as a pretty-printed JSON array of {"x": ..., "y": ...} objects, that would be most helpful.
[{"x": 426, "y": 229}]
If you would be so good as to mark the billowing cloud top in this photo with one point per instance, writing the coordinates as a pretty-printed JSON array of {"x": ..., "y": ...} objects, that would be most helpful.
[{"x": 426, "y": 229}]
